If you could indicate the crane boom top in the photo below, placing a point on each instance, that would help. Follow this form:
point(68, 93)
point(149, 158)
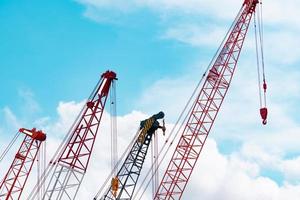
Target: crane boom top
point(13, 183)
point(35, 134)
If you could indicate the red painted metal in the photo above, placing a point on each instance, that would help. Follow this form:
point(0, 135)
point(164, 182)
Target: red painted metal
point(34, 134)
point(205, 109)
point(15, 179)
point(74, 157)
point(265, 86)
point(79, 148)
point(264, 115)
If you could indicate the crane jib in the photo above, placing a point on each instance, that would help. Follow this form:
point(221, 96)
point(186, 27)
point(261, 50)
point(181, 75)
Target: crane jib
point(205, 109)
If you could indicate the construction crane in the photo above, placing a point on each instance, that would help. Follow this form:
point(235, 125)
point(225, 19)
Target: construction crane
point(14, 181)
point(67, 168)
point(123, 185)
point(206, 107)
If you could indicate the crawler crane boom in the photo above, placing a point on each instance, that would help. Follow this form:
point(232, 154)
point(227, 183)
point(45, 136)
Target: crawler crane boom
point(130, 170)
point(71, 161)
point(205, 108)
point(15, 179)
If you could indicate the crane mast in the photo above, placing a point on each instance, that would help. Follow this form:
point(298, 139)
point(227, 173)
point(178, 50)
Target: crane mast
point(130, 170)
point(15, 179)
point(205, 108)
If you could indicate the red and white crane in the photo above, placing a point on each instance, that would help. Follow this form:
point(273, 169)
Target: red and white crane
point(206, 107)
point(13, 183)
point(67, 168)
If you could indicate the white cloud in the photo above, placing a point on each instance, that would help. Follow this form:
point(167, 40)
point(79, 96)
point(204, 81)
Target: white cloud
point(215, 176)
point(203, 23)
point(195, 35)
point(100, 162)
point(282, 14)
point(286, 49)
point(274, 12)
point(10, 119)
point(67, 113)
point(290, 169)
point(168, 95)
point(30, 105)
point(210, 178)
point(233, 178)
point(274, 161)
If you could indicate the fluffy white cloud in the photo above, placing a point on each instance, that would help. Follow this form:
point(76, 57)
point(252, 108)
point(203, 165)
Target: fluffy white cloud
point(10, 119)
point(30, 105)
point(216, 175)
point(230, 177)
point(171, 101)
point(195, 35)
point(67, 113)
point(184, 21)
point(283, 14)
point(290, 168)
point(234, 176)
point(274, 12)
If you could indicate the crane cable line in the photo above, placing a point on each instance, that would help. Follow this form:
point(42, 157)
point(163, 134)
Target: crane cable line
point(257, 63)
point(113, 129)
point(154, 154)
point(7, 149)
point(114, 138)
point(261, 36)
point(11, 143)
point(41, 165)
point(119, 161)
point(260, 63)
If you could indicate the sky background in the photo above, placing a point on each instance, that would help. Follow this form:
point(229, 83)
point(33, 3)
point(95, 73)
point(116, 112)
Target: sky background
point(53, 53)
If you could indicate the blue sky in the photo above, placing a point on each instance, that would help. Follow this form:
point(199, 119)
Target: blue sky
point(51, 48)
point(53, 52)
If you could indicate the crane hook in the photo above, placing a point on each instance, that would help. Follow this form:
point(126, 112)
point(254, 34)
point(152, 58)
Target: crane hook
point(264, 122)
point(264, 114)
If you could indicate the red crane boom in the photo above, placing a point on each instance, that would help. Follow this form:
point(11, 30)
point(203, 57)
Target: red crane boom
point(15, 179)
point(205, 108)
point(71, 161)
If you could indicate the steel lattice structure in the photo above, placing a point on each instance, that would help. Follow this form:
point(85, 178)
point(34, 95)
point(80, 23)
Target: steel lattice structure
point(205, 109)
point(15, 179)
point(74, 158)
point(130, 170)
